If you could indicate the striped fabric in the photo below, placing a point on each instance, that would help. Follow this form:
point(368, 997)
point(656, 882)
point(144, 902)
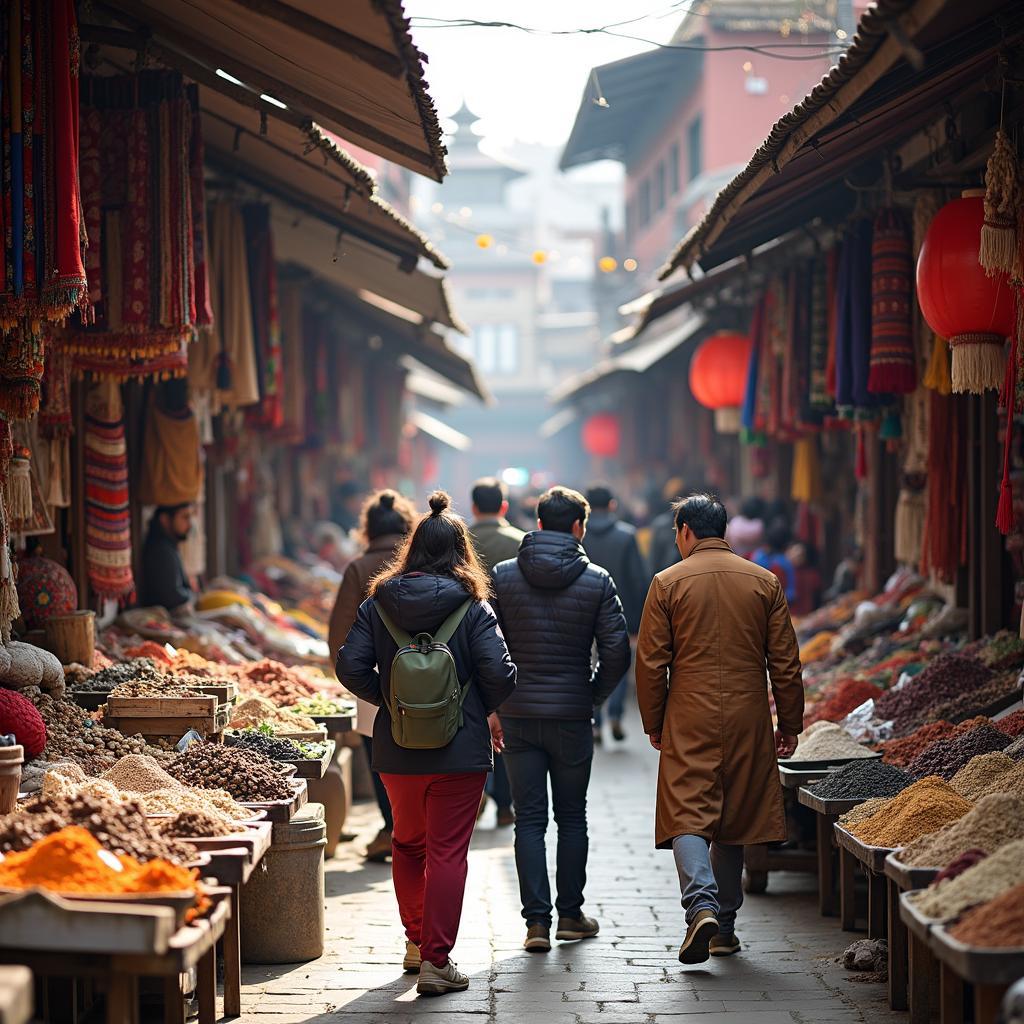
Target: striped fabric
point(108, 536)
point(892, 326)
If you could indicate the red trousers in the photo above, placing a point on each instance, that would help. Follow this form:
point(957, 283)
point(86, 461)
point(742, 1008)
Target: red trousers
point(434, 820)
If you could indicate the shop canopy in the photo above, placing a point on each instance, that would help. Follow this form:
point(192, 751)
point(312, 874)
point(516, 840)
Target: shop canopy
point(440, 430)
point(637, 359)
point(908, 60)
point(614, 118)
point(349, 65)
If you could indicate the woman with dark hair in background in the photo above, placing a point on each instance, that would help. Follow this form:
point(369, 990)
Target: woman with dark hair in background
point(434, 792)
point(385, 520)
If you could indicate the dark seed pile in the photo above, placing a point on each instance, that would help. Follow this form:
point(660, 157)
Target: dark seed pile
point(862, 779)
point(269, 746)
point(118, 827)
point(948, 677)
point(999, 687)
point(246, 775)
point(947, 757)
point(118, 674)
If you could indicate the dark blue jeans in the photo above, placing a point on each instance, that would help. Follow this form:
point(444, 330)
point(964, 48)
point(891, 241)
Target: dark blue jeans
point(615, 705)
point(537, 749)
point(497, 787)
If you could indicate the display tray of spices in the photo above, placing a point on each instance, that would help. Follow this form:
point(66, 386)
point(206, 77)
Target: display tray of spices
point(860, 780)
point(309, 759)
point(253, 837)
point(282, 811)
point(872, 857)
point(337, 715)
point(918, 924)
point(906, 876)
point(980, 965)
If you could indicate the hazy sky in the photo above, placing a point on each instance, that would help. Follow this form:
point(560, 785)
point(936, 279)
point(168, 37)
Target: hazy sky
point(527, 86)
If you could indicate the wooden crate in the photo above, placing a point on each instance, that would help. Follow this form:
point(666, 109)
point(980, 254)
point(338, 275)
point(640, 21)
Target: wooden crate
point(162, 707)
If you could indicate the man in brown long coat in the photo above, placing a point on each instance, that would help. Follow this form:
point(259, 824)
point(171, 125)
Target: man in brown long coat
point(714, 628)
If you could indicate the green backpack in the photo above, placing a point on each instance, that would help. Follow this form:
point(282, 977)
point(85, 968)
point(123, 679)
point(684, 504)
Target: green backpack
point(426, 698)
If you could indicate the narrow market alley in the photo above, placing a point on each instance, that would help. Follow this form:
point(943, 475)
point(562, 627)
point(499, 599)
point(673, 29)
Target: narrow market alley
point(629, 975)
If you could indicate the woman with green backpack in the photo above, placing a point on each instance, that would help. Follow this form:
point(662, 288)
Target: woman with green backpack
point(426, 649)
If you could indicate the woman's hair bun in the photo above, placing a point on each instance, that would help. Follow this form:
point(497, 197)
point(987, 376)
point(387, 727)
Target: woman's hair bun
point(387, 499)
point(439, 502)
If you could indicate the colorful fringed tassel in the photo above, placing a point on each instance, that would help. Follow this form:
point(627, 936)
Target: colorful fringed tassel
point(938, 376)
point(999, 251)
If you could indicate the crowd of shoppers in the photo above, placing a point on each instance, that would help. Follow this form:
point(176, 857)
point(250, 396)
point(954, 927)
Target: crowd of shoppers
point(533, 631)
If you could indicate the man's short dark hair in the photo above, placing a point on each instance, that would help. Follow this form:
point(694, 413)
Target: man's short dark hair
point(704, 514)
point(560, 507)
point(600, 496)
point(489, 494)
point(171, 510)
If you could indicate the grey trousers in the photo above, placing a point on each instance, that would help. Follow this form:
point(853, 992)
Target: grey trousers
point(711, 878)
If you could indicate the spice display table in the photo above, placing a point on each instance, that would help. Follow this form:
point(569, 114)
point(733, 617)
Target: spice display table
point(989, 972)
point(232, 860)
point(924, 982)
point(900, 879)
point(826, 814)
point(166, 717)
point(116, 944)
point(872, 861)
point(282, 810)
point(15, 995)
point(314, 768)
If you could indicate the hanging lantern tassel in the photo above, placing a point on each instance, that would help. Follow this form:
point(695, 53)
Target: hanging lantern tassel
point(999, 251)
point(937, 376)
point(1004, 510)
point(978, 363)
point(909, 526)
point(18, 486)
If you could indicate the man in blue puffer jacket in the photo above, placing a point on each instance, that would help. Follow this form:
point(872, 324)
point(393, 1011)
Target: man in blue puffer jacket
point(554, 605)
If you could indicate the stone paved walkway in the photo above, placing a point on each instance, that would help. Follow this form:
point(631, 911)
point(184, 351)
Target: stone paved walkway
point(786, 974)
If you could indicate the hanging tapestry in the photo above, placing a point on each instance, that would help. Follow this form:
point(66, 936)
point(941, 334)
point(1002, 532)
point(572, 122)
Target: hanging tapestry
point(819, 401)
point(108, 538)
point(853, 322)
point(892, 368)
point(145, 280)
point(266, 327)
point(171, 466)
point(292, 349)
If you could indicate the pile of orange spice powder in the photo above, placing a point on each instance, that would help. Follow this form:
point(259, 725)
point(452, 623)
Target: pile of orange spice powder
point(72, 861)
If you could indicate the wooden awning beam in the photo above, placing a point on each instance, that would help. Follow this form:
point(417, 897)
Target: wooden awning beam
point(141, 17)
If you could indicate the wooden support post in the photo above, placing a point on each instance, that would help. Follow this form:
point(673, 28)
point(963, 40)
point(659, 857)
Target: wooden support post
point(876, 905)
point(122, 998)
point(987, 1000)
point(174, 1001)
point(985, 556)
point(233, 957)
point(898, 951)
point(206, 986)
point(951, 997)
point(922, 967)
point(826, 865)
point(847, 890)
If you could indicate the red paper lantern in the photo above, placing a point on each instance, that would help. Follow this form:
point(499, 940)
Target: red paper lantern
point(959, 301)
point(602, 435)
point(718, 377)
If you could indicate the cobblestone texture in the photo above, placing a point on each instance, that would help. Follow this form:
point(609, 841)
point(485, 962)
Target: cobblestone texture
point(785, 974)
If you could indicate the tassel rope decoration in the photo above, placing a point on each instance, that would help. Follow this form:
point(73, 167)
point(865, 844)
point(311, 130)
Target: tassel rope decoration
point(999, 252)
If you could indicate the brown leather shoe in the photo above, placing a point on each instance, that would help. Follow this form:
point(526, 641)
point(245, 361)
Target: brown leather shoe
point(572, 928)
point(696, 946)
point(412, 960)
point(724, 945)
point(380, 848)
point(538, 939)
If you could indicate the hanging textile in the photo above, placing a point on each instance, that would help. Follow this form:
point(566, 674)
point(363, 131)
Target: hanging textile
point(892, 370)
point(197, 192)
point(138, 191)
point(55, 413)
point(832, 269)
point(853, 321)
point(108, 540)
point(806, 485)
point(227, 360)
point(292, 362)
point(749, 410)
point(22, 361)
point(171, 466)
point(266, 327)
point(945, 530)
point(819, 401)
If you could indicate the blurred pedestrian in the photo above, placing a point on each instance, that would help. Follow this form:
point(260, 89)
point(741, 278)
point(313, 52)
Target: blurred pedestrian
point(384, 520)
point(804, 559)
point(435, 585)
point(711, 626)
point(663, 551)
point(496, 540)
point(771, 555)
point(554, 605)
point(745, 533)
point(847, 574)
point(611, 544)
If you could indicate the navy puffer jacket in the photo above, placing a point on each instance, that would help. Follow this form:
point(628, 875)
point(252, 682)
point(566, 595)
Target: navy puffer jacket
point(553, 605)
point(418, 603)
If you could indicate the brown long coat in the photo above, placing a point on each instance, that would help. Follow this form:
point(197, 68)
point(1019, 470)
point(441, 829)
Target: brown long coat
point(714, 627)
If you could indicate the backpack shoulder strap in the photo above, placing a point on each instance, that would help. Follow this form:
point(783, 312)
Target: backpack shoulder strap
point(400, 637)
point(452, 623)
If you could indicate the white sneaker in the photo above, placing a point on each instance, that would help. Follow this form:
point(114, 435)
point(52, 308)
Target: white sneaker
point(435, 981)
point(412, 961)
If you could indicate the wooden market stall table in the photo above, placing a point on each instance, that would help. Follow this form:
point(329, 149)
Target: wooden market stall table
point(872, 861)
point(922, 978)
point(115, 944)
point(987, 971)
point(231, 861)
point(826, 814)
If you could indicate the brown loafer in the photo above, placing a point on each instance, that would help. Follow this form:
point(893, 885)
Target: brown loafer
point(696, 946)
